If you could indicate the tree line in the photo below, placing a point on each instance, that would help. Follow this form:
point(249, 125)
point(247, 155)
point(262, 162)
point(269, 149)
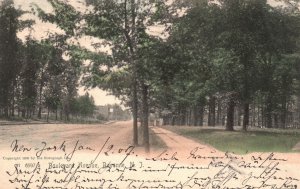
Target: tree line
point(225, 62)
point(34, 76)
point(241, 65)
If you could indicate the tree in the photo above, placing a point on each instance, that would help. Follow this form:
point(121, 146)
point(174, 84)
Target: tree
point(82, 106)
point(245, 31)
point(120, 24)
point(218, 52)
point(255, 32)
point(123, 25)
point(9, 45)
point(29, 76)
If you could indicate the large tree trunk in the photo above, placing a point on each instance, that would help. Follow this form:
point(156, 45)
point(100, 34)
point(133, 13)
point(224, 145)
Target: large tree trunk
point(253, 115)
point(246, 116)
point(182, 116)
point(219, 113)
point(23, 113)
point(189, 117)
point(230, 114)
point(131, 42)
point(13, 107)
point(13, 99)
point(269, 112)
point(201, 115)
point(135, 114)
point(196, 118)
point(238, 116)
point(262, 117)
point(269, 120)
point(6, 100)
point(61, 114)
point(283, 114)
point(247, 94)
point(258, 115)
point(276, 121)
point(40, 101)
point(212, 111)
point(145, 115)
point(173, 120)
point(48, 114)
point(6, 111)
point(67, 110)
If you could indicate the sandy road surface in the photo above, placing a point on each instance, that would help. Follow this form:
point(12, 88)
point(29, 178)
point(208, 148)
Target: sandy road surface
point(178, 143)
point(92, 135)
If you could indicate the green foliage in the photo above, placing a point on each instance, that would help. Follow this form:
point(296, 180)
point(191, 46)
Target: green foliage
point(10, 56)
point(235, 49)
point(83, 105)
point(65, 16)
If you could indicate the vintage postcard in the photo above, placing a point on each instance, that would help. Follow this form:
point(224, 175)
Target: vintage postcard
point(136, 94)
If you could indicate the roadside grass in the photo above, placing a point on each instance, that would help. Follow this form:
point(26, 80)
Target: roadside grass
point(155, 141)
point(240, 142)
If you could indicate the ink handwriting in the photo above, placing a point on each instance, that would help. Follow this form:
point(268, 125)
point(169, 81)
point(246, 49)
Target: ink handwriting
point(113, 167)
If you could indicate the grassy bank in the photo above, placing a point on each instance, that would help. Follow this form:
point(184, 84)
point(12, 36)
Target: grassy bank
point(242, 142)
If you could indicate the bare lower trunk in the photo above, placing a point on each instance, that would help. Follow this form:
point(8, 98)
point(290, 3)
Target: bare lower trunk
point(269, 120)
point(40, 104)
point(269, 112)
point(219, 112)
point(196, 118)
point(40, 97)
point(283, 119)
point(135, 113)
point(275, 121)
point(6, 111)
point(246, 116)
point(238, 116)
point(173, 120)
point(201, 116)
point(23, 113)
point(145, 115)
point(61, 114)
point(48, 115)
point(230, 115)
point(212, 111)
point(253, 115)
point(13, 102)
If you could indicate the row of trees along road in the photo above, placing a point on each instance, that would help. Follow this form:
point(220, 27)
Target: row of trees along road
point(34, 77)
point(223, 61)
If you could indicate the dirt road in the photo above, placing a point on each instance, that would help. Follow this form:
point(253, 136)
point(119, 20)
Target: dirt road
point(91, 135)
point(178, 143)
